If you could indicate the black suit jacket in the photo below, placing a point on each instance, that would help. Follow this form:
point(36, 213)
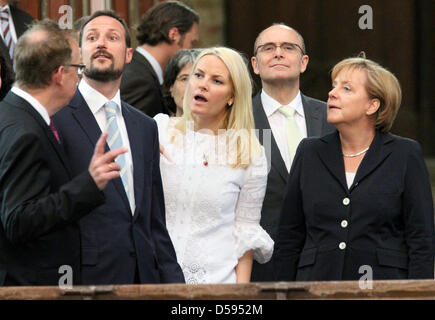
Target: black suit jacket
point(40, 203)
point(115, 243)
point(388, 210)
point(22, 20)
point(140, 87)
point(315, 117)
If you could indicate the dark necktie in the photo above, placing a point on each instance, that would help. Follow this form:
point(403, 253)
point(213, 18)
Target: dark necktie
point(53, 128)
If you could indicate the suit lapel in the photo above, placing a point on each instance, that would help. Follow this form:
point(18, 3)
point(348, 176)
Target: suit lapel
point(83, 115)
point(330, 154)
point(19, 22)
point(379, 150)
point(136, 152)
point(19, 102)
point(262, 123)
point(90, 127)
point(313, 118)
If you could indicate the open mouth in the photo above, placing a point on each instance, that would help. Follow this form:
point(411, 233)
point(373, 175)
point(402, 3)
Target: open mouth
point(200, 98)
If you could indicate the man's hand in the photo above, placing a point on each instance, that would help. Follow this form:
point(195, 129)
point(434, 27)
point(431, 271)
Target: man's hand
point(102, 167)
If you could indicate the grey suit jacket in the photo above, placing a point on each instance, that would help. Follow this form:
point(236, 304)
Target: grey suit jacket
point(315, 117)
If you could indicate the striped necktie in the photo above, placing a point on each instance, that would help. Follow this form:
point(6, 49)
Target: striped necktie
point(293, 133)
point(114, 140)
point(7, 35)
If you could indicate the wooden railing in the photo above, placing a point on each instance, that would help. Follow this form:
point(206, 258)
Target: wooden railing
point(409, 289)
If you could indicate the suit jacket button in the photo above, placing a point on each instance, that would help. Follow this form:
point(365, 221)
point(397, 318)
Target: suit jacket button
point(342, 245)
point(346, 201)
point(344, 223)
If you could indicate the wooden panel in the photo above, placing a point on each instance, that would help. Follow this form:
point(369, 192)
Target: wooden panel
point(53, 9)
point(332, 33)
point(144, 5)
point(121, 8)
point(78, 8)
point(97, 5)
point(32, 7)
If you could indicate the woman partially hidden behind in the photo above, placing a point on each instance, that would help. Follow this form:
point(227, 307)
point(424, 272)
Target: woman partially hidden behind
point(358, 199)
point(214, 173)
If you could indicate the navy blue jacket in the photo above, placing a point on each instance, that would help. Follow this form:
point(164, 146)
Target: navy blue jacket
point(114, 241)
point(384, 221)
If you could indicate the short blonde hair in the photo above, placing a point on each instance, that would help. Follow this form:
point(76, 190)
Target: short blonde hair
point(381, 84)
point(239, 118)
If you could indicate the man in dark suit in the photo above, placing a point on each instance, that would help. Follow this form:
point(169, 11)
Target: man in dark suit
point(126, 240)
point(40, 201)
point(284, 116)
point(18, 23)
point(164, 30)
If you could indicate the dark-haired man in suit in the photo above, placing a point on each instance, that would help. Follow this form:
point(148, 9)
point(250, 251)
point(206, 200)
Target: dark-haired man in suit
point(164, 30)
point(40, 200)
point(124, 241)
point(279, 59)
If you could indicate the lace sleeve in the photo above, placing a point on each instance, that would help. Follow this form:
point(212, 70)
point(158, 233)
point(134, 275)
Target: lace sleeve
point(248, 233)
point(162, 124)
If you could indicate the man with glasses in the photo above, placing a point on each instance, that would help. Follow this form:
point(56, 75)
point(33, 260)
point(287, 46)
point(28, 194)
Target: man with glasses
point(279, 59)
point(41, 200)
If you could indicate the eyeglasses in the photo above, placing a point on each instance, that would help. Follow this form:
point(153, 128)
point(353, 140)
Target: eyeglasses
point(80, 67)
point(270, 47)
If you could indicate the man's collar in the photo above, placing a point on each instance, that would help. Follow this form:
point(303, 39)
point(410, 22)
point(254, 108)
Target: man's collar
point(270, 105)
point(33, 102)
point(154, 63)
point(95, 99)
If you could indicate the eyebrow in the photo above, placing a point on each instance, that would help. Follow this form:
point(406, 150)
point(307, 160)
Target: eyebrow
point(343, 81)
point(213, 75)
point(95, 29)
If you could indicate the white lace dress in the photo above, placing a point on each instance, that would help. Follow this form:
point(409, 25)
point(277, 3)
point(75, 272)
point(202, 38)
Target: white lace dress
point(212, 211)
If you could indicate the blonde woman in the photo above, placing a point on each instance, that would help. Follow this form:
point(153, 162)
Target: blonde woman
point(358, 201)
point(214, 173)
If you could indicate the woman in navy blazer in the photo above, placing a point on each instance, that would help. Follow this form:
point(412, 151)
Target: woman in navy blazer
point(358, 202)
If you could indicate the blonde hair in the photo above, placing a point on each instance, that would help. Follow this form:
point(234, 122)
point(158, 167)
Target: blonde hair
point(239, 120)
point(381, 84)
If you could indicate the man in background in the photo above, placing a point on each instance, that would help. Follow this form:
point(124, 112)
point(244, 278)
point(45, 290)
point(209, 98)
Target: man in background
point(279, 59)
point(164, 30)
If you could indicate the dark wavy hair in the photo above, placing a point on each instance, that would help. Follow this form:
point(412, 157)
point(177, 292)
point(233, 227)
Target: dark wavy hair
point(156, 23)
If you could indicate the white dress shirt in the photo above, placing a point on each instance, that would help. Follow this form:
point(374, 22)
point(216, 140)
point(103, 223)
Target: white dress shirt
point(11, 26)
point(96, 102)
point(277, 122)
point(33, 102)
point(350, 176)
point(154, 63)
